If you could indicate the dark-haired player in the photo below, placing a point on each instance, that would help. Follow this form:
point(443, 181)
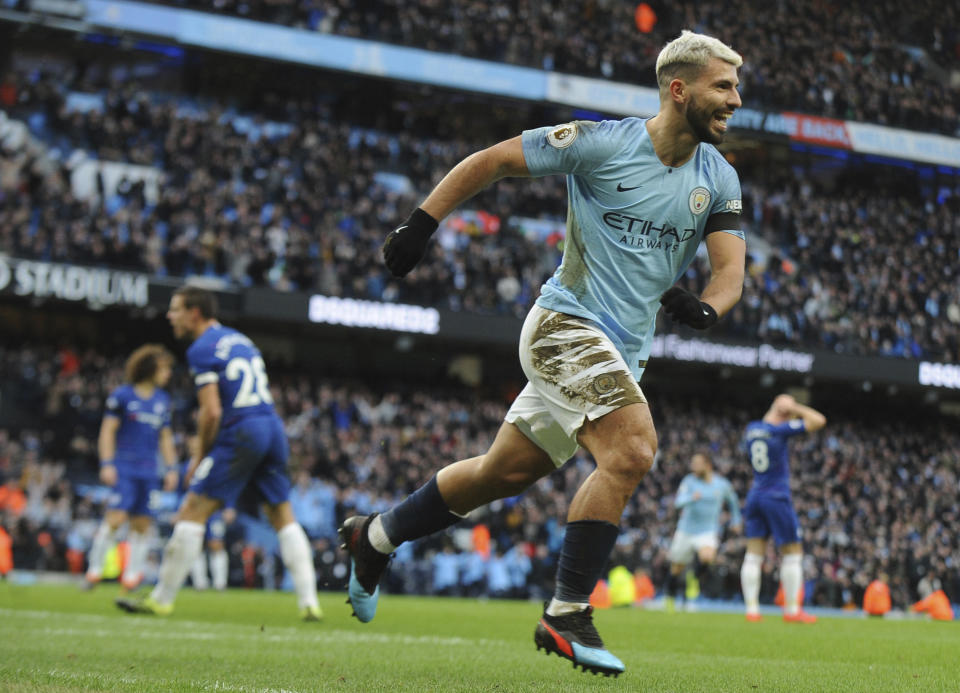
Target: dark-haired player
point(241, 443)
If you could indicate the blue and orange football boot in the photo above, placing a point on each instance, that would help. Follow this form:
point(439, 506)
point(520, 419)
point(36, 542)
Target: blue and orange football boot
point(367, 566)
point(574, 637)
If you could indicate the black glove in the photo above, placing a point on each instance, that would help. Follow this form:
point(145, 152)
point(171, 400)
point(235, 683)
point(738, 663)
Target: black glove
point(683, 307)
point(405, 246)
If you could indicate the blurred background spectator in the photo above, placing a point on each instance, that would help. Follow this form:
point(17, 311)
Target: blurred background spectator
point(875, 494)
point(872, 62)
point(303, 204)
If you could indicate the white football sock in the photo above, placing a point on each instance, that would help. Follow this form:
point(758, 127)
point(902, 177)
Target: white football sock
point(750, 582)
point(198, 573)
point(298, 559)
point(139, 546)
point(219, 569)
point(102, 541)
point(178, 557)
point(559, 608)
point(791, 575)
point(378, 536)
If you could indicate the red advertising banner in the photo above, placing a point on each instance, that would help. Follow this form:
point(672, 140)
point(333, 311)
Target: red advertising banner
point(816, 130)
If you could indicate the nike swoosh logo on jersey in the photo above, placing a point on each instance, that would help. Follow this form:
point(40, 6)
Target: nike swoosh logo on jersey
point(620, 187)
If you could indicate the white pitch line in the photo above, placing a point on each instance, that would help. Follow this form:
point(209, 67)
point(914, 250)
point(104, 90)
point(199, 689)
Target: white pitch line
point(172, 629)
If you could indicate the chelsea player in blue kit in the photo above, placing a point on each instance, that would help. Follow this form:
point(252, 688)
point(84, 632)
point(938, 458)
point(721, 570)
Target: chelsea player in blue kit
point(769, 507)
point(242, 443)
point(136, 424)
point(642, 196)
point(700, 498)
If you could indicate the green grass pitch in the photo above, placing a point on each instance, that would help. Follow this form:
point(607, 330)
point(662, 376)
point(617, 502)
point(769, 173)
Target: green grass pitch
point(55, 638)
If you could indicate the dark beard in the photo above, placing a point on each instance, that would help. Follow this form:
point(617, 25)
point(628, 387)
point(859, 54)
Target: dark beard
point(699, 120)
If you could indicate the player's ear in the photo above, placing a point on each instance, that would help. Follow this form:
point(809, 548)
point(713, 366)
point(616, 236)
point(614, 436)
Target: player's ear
point(678, 90)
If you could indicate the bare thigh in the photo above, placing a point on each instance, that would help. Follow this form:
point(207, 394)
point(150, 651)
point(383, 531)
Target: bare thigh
point(623, 444)
point(141, 523)
point(511, 465)
point(115, 518)
point(280, 515)
point(197, 508)
point(757, 546)
point(624, 432)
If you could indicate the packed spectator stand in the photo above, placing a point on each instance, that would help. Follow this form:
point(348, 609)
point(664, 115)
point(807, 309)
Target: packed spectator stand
point(875, 495)
point(860, 61)
point(295, 192)
point(304, 203)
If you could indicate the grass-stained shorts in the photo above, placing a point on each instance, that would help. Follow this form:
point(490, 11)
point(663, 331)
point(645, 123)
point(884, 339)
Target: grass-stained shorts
point(575, 373)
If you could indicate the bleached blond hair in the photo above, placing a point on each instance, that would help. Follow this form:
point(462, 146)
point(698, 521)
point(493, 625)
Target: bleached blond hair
point(687, 54)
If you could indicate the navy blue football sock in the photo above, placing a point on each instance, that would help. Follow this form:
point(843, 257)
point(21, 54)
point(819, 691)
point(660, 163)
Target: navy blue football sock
point(675, 586)
point(702, 571)
point(421, 513)
point(586, 547)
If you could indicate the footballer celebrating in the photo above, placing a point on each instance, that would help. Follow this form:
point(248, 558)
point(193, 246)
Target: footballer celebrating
point(642, 196)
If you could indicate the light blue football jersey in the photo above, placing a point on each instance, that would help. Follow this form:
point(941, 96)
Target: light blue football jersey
point(702, 514)
point(633, 224)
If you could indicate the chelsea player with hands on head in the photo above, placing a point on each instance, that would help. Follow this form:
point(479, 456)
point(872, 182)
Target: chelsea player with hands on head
point(769, 507)
point(241, 443)
point(642, 196)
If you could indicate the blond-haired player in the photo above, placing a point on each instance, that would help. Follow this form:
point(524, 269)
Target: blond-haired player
point(643, 195)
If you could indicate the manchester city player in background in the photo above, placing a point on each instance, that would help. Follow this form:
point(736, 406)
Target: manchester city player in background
point(700, 499)
point(136, 424)
point(242, 442)
point(769, 507)
point(642, 195)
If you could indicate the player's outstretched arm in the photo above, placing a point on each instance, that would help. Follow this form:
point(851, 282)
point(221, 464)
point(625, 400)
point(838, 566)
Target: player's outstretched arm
point(107, 449)
point(727, 265)
point(727, 260)
point(812, 419)
point(405, 246)
point(684, 495)
point(473, 174)
point(733, 505)
point(168, 452)
point(208, 422)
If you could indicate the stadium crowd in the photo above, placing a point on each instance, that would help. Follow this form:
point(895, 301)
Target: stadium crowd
point(875, 495)
point(860, 61)
point(303, 204)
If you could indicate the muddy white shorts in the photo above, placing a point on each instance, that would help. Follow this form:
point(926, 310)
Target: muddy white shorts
point(575, 373)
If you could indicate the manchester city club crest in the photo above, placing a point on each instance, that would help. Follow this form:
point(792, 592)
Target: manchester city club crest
point(604, 384)
point(563, 136)
point(699, 200)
